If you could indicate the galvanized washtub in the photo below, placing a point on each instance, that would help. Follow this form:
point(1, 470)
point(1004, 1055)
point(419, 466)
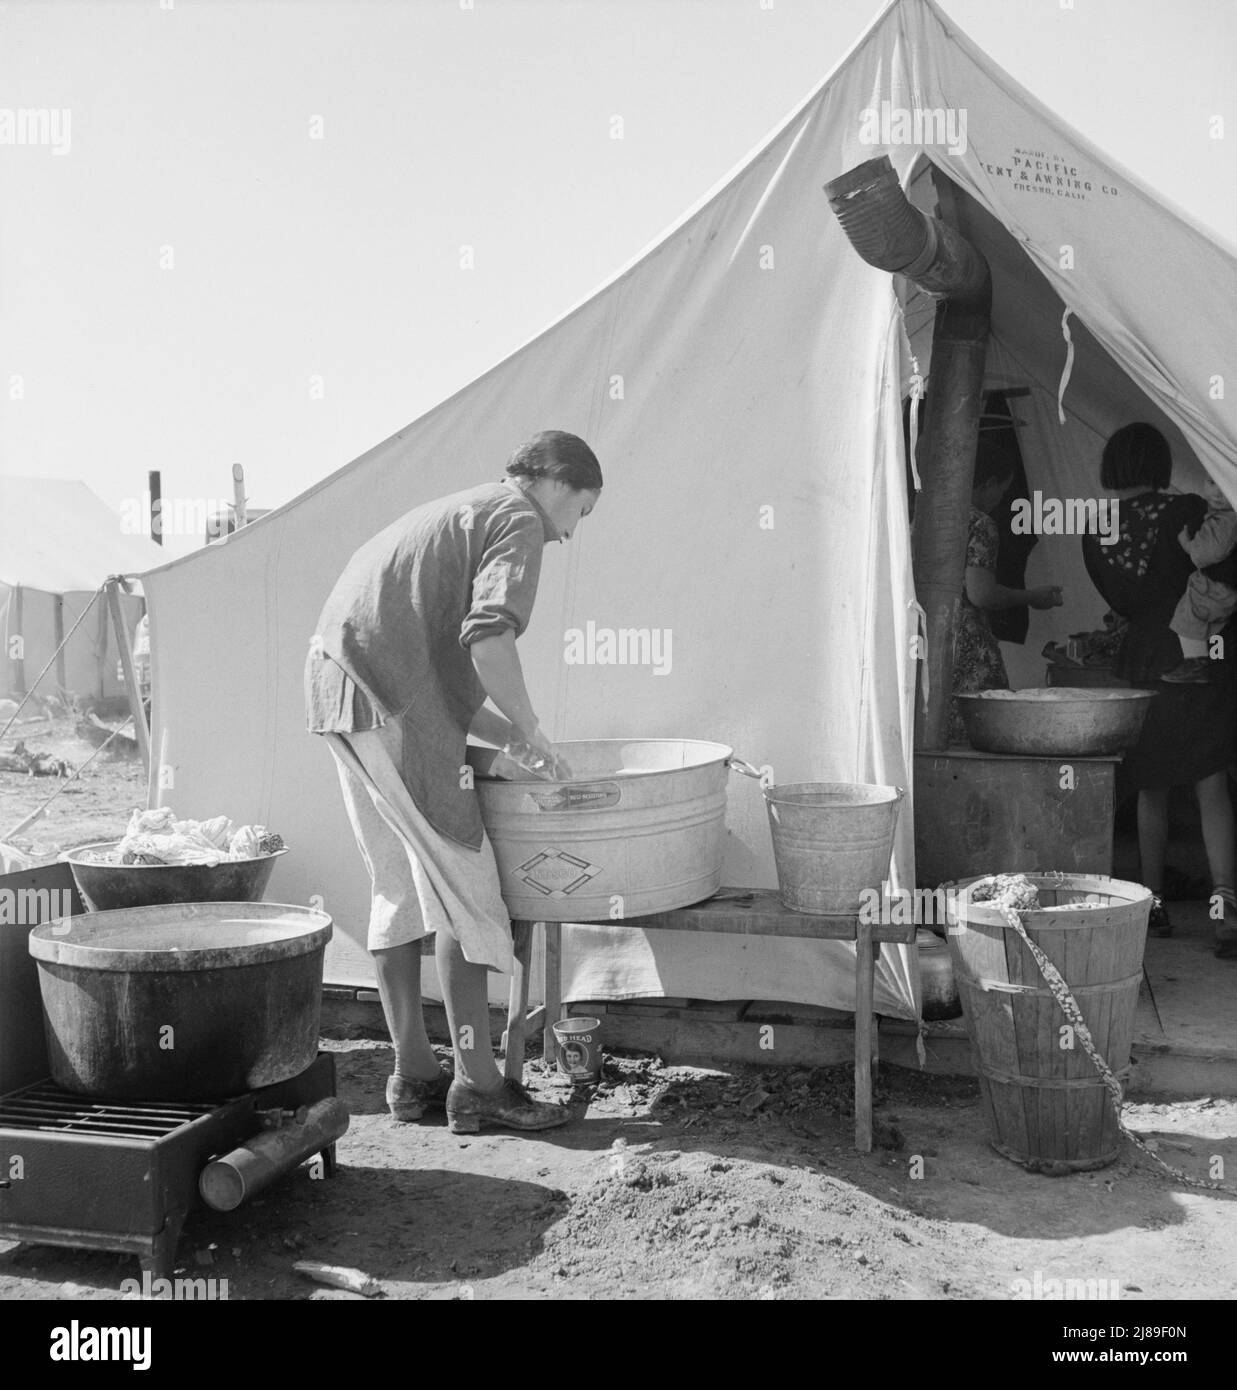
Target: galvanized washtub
point(1065, 721)
point(186, 1001)
point(640, 828)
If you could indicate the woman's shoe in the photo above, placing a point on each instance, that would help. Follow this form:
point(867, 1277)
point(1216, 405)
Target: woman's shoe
point(409, 1100)
point(1158, 923)
point(1194, 670)
point(510, 1106)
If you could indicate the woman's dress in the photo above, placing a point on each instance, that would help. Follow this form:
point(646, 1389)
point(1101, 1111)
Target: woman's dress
point(978, 664)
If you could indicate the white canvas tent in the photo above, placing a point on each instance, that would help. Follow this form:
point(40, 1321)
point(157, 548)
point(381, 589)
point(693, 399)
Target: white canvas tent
point(741, 382)
point(59, 542)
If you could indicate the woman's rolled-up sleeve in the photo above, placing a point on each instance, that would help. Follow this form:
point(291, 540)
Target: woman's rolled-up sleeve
point(505, 585)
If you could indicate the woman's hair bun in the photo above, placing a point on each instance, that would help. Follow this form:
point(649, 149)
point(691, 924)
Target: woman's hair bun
point(562, 457)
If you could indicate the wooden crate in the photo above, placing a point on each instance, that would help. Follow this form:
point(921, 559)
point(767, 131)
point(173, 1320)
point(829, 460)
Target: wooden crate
point(988, 813)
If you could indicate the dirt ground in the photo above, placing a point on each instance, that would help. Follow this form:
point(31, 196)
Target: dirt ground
point(669, 1186)
point(681, 1183)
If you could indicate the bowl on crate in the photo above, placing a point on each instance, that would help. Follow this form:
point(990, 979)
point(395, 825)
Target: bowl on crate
point(1063, 721)
point(106, 887)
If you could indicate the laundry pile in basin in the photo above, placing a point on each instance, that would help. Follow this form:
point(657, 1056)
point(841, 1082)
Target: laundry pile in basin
point(157, 837)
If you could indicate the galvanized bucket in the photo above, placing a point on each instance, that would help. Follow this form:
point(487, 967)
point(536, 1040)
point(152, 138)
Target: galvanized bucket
point(831, 841)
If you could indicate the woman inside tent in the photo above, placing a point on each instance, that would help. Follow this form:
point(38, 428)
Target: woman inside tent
point(419, 629)
point(1190, 734)
point(978, 664)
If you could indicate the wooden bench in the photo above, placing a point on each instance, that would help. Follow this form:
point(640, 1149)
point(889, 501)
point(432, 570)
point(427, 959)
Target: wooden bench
point(735, 911)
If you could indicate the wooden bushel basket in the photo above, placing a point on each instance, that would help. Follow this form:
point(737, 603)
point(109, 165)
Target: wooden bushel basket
point(1045, 1104)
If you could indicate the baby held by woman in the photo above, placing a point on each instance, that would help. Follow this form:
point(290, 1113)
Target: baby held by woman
point(1210, 597)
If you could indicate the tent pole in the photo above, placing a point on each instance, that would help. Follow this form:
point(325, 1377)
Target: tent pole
point(101, 653)
point(58, 629)
point(126, 664)
point(238, 495)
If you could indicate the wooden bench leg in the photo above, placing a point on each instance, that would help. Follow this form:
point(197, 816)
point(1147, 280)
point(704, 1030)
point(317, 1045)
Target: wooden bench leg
point(552, 988)
point(517, 1001)
point(865, 970)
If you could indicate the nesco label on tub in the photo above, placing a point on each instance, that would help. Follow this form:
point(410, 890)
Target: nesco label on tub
point(590, 796)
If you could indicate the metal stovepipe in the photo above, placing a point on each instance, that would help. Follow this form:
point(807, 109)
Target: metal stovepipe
point(890, 234)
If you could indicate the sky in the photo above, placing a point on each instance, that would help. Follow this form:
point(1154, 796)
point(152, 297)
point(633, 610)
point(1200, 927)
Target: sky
point(250, 250)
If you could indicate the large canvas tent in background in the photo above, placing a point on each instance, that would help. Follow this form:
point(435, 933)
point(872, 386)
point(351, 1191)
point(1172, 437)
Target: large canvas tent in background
point(59, 542)
point(741, 382)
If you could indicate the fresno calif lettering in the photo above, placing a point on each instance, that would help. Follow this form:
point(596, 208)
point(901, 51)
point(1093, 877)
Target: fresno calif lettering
point(78, 1343)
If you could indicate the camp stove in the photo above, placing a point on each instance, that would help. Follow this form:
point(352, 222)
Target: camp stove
point(108, 1174)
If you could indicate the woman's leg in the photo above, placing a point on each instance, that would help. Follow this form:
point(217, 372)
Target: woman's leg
point(1215, 808)
point(399, 987)
point(466, 995)
point(1153, 835)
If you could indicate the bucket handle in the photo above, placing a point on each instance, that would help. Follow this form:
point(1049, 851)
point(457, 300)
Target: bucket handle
point(738, 765)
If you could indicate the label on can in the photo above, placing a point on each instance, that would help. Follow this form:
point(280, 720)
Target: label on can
point(590, 796)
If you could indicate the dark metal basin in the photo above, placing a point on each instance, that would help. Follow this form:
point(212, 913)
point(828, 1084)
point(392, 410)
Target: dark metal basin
point(186, 1001)
point(108, 886)
point(1063, 721)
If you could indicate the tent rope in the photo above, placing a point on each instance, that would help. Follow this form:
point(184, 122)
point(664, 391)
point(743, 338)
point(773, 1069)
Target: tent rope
point(917, 391)
point(922, 617)
point(51, 661)
point(1067, 369)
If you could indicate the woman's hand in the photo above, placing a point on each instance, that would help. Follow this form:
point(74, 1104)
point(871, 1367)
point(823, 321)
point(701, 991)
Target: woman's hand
point(559, 767)
point(1049, 596)
point(985, 593)
point(532, 751)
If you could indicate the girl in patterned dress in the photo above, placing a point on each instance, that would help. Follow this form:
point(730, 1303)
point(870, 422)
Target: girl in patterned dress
point(1189, 736)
